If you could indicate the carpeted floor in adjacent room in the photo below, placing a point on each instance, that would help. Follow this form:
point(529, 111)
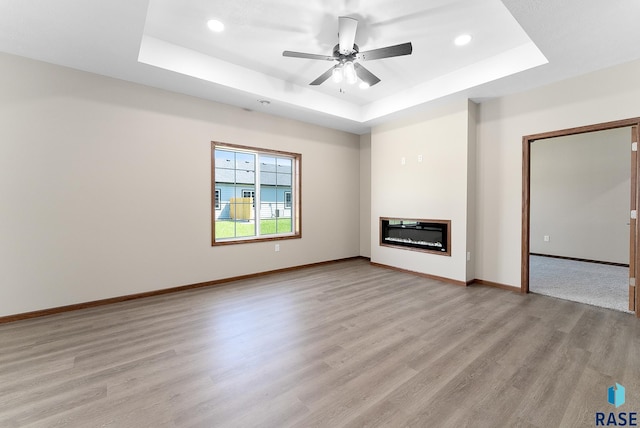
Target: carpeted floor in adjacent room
point(591, 283)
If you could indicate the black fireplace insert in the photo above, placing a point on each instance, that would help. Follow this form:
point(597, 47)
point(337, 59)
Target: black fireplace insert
point(431, 236)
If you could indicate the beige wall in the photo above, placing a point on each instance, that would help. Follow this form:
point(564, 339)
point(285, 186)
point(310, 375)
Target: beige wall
point(104, 185)
point(105, 188)
point(472, 138)
point(365, 195)
point(602, 96)
point(435, 188)
point(580, 193)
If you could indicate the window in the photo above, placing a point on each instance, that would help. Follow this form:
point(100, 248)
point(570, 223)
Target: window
point(249, 194)
point(216, 199)
point(256, 194)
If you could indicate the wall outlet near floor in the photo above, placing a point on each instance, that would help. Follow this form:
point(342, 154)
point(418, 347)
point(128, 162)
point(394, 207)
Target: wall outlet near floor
point(468, 256)
point(546, 238)
point(277, 247)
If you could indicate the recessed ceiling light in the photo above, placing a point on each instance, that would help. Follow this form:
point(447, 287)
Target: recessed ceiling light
point(215, 25)
point(462, 40)
point(364, 85)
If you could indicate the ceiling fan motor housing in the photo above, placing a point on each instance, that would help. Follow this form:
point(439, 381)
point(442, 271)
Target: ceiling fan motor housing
point(342, 58)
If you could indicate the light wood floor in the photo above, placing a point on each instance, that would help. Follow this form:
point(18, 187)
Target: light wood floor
point(340, 345)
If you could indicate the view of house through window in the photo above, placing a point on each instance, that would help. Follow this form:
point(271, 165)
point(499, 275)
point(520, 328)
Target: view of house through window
point(216, 199)
point(255, 194)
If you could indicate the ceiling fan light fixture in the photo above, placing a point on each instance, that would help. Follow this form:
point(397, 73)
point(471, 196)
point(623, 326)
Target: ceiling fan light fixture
point(337, 74)
point(350, 73)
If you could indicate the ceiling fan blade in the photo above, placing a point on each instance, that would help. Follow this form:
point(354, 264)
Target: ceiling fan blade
point(347, 34)
point(323, 77)
point(389, 51)
point(365, 75)
point(308, 56)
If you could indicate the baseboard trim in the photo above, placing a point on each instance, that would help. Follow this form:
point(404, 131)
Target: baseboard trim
point(112, 300)
point(497, 285)
point(424, 275)
point(575, 259)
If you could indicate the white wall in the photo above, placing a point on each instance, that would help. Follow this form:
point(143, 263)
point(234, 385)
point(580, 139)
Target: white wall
point(105, 188)
point(365, 195)
point(433, 189)
point(580, 193)
point(598, 97)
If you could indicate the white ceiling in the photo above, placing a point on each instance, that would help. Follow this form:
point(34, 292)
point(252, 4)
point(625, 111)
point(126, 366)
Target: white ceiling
point(516, 45)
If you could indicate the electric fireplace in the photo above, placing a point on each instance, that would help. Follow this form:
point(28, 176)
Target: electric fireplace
point(431, 236)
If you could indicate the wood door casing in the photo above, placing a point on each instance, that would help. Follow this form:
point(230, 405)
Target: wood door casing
point(633, 223)
point(634, 124)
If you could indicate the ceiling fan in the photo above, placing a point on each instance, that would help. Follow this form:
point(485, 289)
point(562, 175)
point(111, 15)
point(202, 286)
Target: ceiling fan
point(348, 56)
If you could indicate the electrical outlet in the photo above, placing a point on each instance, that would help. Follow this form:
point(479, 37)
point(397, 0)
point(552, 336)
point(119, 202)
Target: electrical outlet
point(403, 160)
point(546, 238)
point(419, 158)
point(277, 247)
point(468, 256)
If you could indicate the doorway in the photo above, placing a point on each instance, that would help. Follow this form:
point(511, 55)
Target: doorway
point(555, 242)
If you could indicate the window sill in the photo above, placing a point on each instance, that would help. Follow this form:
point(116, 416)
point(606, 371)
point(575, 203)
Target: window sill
point(253, 239)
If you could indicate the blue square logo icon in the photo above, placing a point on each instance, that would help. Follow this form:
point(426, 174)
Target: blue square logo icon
point(616, 395)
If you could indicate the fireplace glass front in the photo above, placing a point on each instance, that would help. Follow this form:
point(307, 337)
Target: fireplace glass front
point(422, 235)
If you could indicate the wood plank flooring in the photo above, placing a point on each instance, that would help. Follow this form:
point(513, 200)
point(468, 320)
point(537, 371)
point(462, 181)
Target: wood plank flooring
point(340, 345)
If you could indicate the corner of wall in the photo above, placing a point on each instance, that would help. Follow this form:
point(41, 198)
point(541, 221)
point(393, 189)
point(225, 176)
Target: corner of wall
point(365, 195)
point(471, 189)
